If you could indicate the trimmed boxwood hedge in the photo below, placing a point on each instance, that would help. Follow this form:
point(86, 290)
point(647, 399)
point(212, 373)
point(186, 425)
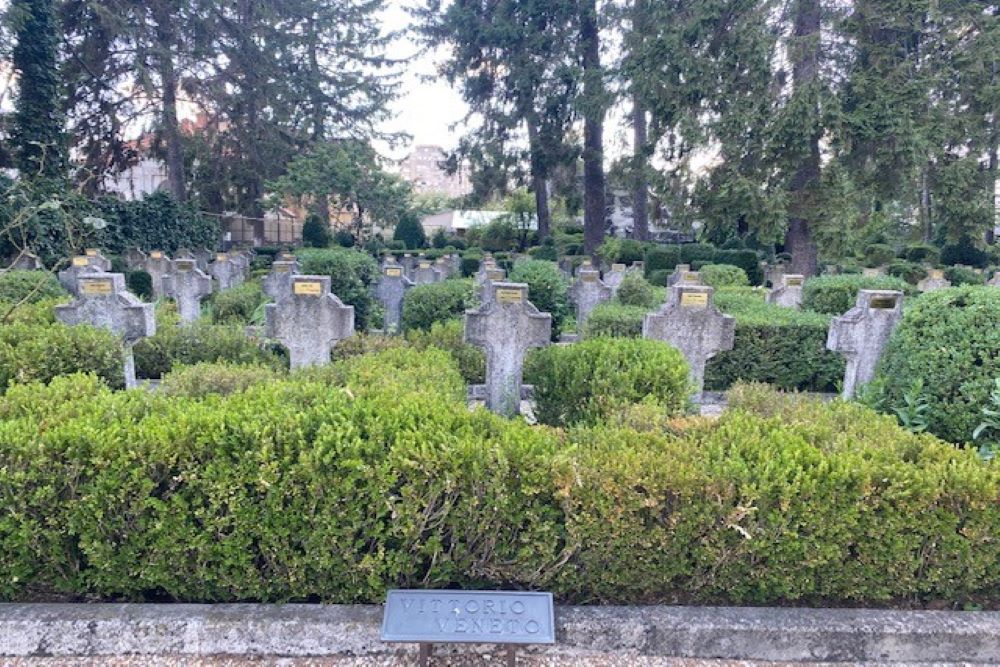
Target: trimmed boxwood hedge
point(41, 352)
point(779, 346)
point(949, 341)
point(342, 482)
point(29, 287)
point(835, 295)
point(424, 305)
point(592, 380)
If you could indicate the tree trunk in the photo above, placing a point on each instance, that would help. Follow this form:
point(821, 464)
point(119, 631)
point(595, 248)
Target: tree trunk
point(926, 226)
point(165, 41)
point(640, 194)
point(593, 130)
point(539, 182)
point(804, 54)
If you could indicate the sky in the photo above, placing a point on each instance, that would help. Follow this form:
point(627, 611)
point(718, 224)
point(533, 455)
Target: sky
point(425, 109)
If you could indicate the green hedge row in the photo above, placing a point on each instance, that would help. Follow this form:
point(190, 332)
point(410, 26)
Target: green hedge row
point(341, 482)
point(835, 295)
point(779, 346)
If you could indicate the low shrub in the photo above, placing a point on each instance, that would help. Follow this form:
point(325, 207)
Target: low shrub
point(222, 378)
point(242, 304)
point(40, 312)
point(697, 252)
point(659, 278)
point(911, 272)
point(661, 258)
point(351, 275)
point(922, 253)
point(315, 232)
point(621, 251)
point(449, 336)
point(779, 346)
point(196, 343)
point(548, 289)
point(965, 253)
point(615, 320)
point(339, 483)
point(437, 302)
point(960, 275)
point(586, 382)
point(29, 287)
point(41, 352)
point(878, 254)
point(835, 295)
point(948, 341)
point(140, 283)
point(748, 260)
point(723, 275)
point(635, 290)
point(470, 264)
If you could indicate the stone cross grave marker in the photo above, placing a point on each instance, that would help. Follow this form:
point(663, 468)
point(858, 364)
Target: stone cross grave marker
point(443, 268)
point(104, 302)
point(409, 264)
point(585, 265)
point(587, 292)
point(278, 283)
point(70, 276)
point(187, 285)
point(678, 274)
point(935, 280)
point(614, 277)
point(226, 272)
point(391, 291)
point(861, 334)
point(506, 327)
point(873, 273)
point(135, 259)
point(158, 267)
point(789, 294)
point(690, 322)
point(97, 259)
point(242, 260)
point(425, 273)
point(310, 321)
point(23, 261)
point(491, 276)
point(995, 280)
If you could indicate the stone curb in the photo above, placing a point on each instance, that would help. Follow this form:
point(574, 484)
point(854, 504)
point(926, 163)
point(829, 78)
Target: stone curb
point(296, 630)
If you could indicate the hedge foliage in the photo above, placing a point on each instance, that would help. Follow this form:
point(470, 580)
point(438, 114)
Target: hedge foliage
point(590, 381)
point(41, 352)
point(635, 290)
point(352, 274)
point(29, 287)
point(835, 295)
point(548, 289)
point(175, 345)
point(239, 305)
point(616, 320)
point(437, 302)
point(779, 346)
point(723, 275)
point(341, 482)
point(221, 377)
point(948, 340)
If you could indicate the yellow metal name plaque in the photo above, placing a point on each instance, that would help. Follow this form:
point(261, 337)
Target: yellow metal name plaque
point(691, 277)
point(81, 261)
point(882, 302)
point(308, 288)
point(394, 272)
point(95, 287)
point(694, 300)
point(508, 295)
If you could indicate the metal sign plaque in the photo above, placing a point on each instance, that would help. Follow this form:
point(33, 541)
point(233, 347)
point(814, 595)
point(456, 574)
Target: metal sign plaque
point(694, 300)
point(308, 288)
point(394, 272)
point(282, 268)
point(490, 617)
point(494, 275)
point(90, 252)
point(794, 282)
point(691, 277)
point(508, 295)
point(156, 254)
point(96, 287)
point(937, 274)
point(81, 261)
point(184, 264)
point(588, 277)
point(425, 265)
point(618, 268)
point(882, 302)
point(221, 257)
